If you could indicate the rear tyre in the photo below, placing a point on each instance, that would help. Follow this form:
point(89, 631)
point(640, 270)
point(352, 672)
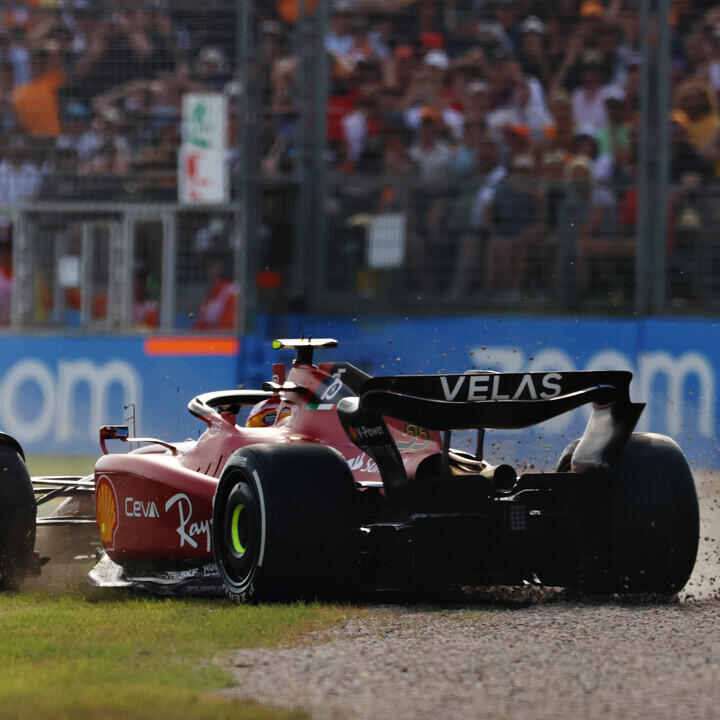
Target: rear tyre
point(17, 519)
point(651, 534)
point(284, 522)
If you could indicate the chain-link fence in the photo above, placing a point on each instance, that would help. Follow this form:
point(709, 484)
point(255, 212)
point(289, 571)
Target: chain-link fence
point(459, 156)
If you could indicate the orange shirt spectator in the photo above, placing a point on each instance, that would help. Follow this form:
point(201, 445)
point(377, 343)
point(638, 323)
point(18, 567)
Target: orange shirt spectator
point(289, 10)
point(36, 103)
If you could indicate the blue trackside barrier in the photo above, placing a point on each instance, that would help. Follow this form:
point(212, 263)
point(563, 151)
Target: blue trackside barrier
point(56, 390)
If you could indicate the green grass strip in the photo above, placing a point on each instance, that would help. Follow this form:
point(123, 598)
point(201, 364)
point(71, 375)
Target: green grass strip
point(107, 655)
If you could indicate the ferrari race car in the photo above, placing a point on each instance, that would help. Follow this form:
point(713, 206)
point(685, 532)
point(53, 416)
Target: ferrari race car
point(340, 481)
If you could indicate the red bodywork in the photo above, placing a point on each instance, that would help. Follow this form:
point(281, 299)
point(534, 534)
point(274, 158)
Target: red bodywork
point(156, 506)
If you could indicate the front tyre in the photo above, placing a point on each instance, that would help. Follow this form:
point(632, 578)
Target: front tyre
point(284, 522)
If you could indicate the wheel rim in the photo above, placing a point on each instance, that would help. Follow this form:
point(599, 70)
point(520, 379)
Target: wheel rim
point(240, 536)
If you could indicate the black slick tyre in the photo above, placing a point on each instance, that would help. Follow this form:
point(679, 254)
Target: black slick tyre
point(17, 519)
point(649, 539)
point(284, 522)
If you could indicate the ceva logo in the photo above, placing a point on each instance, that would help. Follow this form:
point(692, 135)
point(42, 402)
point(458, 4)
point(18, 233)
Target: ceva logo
point(58, 413)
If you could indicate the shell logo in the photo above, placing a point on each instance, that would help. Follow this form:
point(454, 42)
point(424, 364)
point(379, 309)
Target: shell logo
point(107, 511)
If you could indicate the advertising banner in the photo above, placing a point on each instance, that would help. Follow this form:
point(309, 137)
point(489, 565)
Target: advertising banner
point(56, 392)
point(202, 162)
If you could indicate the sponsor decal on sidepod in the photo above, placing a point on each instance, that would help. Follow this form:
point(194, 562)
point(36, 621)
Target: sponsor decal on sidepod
point(106, 511)
point(189, 529)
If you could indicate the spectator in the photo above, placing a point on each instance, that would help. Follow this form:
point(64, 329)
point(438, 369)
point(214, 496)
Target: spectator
point(106, 150)
point(339, 40)
point(156, 164)
point(585, 145)
point(20, 177)
point(36, 103)
point(396, 160)
point(464, 161)
point(399, 68)
point(506, 14)
point(613, 139)
point(563, 122)
point(8, 120)
point(132, 43)
point(699, 104)
point(684, 158)
point(432, 154)
point(219, 310)
point(511, 217)
point(16, 52)
point(632, 83)
point(533, 56)
point(588, 100)
point(590, 217)
point(516, 99)
point(473, 239)
point(360, 123)
point(476, 102)
point(211, 69)
point(75, 132)
point(145, 309)
point(607, 42)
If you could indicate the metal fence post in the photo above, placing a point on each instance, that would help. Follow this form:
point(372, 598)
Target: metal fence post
point(653, 165)
point(246, 250)
point(320, 98)
point(86, 265)
point(168, 264)
point(120, 276)
point(22, 291)
point(659, 244)
point(645, 150)
point(305, 166)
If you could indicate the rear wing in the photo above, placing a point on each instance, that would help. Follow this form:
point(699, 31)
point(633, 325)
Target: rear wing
point(490, 400)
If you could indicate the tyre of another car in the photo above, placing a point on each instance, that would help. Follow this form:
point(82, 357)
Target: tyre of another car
point(17, 519)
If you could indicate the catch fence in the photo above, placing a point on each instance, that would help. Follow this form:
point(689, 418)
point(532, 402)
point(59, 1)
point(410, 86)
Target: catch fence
point(414, 157)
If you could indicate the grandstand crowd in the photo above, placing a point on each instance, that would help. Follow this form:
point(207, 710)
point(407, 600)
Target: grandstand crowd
point(502, 123)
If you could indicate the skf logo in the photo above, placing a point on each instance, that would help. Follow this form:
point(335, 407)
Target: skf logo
point(106, 511)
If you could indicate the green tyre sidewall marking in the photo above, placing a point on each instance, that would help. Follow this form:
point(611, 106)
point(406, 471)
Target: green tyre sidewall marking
point(235, 531)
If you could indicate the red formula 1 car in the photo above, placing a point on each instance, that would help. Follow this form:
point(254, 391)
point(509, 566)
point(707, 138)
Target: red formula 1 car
point(339, 480)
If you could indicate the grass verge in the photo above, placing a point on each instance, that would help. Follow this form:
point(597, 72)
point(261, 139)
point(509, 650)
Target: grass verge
point(104, 656)
point(61, 464)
